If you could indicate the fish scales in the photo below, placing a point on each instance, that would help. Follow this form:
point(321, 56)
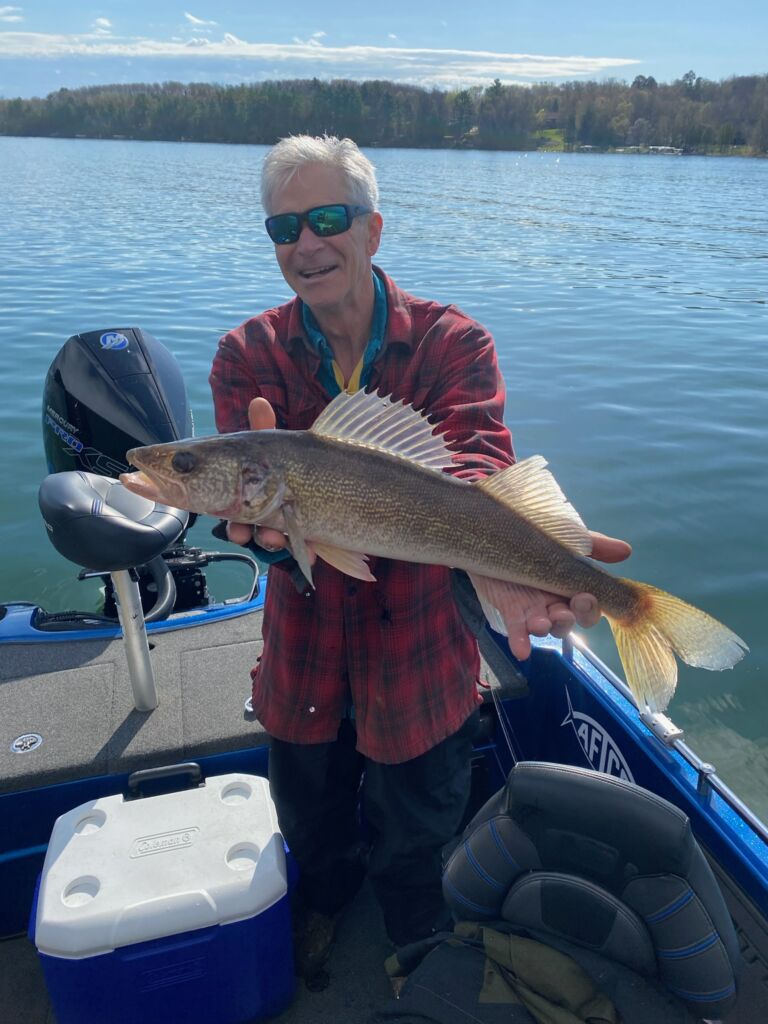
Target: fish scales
point(387, 506)
point(364, 481)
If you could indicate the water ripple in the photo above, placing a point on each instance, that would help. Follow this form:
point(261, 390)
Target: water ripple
point(627, 296)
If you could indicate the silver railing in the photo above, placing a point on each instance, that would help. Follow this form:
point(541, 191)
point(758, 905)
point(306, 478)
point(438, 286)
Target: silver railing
point(707, 779)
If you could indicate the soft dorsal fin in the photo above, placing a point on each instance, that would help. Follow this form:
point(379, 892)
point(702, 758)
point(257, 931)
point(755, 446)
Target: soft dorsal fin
point(531, 490)
point(368, 419)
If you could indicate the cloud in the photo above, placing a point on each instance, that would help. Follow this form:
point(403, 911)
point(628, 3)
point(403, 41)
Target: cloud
point(443, 68)
point(314, 40)
point(11, 14)
point(102, 26)
point(197, 21)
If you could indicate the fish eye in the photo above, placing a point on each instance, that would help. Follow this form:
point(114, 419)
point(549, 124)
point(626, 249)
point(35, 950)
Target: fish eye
point(183, 462)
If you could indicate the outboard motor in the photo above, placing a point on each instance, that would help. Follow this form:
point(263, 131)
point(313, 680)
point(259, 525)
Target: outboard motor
point(105, 392)
point(108, 391)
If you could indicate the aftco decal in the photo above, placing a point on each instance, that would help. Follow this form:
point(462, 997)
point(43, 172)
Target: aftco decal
point(599, 747)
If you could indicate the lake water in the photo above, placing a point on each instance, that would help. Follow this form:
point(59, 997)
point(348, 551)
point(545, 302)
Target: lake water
point(627, 296)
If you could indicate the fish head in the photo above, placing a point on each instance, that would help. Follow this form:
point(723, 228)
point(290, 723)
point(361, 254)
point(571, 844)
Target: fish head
point(228, 475)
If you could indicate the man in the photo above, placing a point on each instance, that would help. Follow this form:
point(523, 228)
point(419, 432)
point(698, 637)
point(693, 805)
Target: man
point(376, 676)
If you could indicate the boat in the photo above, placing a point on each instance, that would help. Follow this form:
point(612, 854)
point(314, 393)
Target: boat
point(88, 701)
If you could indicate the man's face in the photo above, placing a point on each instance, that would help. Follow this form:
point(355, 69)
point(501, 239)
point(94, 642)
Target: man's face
point(329, 274)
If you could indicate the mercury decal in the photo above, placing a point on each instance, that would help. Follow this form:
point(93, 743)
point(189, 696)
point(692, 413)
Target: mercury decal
point(66, 437)
point(598, 746)
point(113, 340)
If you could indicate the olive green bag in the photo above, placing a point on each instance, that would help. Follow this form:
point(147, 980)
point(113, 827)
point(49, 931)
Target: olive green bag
point(483, 974)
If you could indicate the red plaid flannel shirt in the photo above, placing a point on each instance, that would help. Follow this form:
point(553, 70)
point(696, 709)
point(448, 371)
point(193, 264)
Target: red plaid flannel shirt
point(398, 647)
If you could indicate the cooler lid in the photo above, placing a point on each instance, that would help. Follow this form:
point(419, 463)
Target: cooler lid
point(119, 872)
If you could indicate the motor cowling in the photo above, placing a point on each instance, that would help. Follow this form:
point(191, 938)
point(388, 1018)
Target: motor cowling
point(107, 391)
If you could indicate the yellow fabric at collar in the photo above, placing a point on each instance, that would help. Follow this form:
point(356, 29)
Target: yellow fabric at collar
point(354, 381)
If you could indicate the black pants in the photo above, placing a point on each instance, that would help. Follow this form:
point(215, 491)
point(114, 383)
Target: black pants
point(411, 810)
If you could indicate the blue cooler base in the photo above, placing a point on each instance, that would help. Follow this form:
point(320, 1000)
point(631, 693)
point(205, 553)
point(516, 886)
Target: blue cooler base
point(229, 974)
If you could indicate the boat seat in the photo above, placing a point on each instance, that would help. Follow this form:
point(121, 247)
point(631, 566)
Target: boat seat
point(97, 523)
point(588, 861)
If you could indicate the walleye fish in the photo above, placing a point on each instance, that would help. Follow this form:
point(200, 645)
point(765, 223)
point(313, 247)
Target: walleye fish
point(367, 479)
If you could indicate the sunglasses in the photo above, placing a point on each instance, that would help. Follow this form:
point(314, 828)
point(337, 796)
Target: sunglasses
point(323, 221)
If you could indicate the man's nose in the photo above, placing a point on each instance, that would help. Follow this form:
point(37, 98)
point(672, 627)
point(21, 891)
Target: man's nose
point(307, 238)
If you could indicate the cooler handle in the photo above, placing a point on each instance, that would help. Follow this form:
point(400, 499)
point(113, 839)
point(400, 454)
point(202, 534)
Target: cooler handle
point(167, 771)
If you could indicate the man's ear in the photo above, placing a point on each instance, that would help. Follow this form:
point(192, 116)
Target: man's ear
point(375, 224)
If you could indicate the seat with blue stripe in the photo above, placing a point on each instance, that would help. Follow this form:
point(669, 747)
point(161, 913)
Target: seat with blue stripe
point(589, 861)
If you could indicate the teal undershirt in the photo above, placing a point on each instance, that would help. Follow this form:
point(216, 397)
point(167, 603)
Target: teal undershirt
point(318, 341)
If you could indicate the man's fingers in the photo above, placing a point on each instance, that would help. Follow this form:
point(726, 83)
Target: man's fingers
point(609, 549)
point(586, 609)
point(563, 619)
point(261, 415)
point(240, 533)
point(270, 540)
point(538, 624)
point(519, 640)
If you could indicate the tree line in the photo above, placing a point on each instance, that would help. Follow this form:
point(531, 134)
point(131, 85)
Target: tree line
point(691, 114)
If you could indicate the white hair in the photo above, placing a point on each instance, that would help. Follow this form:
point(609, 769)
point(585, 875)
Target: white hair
point(290, 154)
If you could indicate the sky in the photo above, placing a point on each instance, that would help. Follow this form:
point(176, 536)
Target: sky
point(51, 44)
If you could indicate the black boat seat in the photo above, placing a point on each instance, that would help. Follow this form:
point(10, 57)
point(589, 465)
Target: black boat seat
point(596, 862)
point(95, 522)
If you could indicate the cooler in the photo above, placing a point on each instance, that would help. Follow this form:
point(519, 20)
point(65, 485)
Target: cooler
point(169, 907)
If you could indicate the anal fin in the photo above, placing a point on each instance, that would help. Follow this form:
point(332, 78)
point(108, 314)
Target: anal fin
point(503, 602)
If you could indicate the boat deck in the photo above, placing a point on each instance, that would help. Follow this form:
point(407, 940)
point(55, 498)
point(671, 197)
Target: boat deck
point(77, 697)
point(357, 981)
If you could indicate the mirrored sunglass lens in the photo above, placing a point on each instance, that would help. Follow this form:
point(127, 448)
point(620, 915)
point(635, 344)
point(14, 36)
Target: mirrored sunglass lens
point(284, 228)
point(328, 220)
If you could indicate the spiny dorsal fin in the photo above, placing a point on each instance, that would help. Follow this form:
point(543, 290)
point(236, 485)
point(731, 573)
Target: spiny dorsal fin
point(532, 491)
point(368, 419)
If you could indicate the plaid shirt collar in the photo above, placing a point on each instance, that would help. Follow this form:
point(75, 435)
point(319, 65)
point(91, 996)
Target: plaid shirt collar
point(320, 344)
point(399, 325)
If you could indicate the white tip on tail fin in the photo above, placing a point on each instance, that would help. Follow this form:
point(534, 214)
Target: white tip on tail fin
point(662, 625)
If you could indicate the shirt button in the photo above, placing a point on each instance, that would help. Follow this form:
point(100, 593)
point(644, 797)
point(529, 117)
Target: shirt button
point(312, 709)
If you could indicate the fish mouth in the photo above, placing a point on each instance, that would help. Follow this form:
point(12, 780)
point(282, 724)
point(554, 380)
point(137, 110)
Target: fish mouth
point(153, 485)
point(142, 484)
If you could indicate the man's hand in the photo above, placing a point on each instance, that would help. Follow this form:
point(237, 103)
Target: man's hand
point(552, 614)
point(261, 416)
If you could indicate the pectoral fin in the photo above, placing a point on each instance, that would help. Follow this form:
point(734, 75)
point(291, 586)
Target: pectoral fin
point(349, 562)
point(297, 543)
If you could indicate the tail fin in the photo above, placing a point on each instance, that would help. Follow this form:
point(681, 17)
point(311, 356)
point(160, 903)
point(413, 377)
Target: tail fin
point(664, 624)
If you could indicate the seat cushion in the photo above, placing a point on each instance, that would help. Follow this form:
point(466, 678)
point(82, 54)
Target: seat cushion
point(578, 910)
